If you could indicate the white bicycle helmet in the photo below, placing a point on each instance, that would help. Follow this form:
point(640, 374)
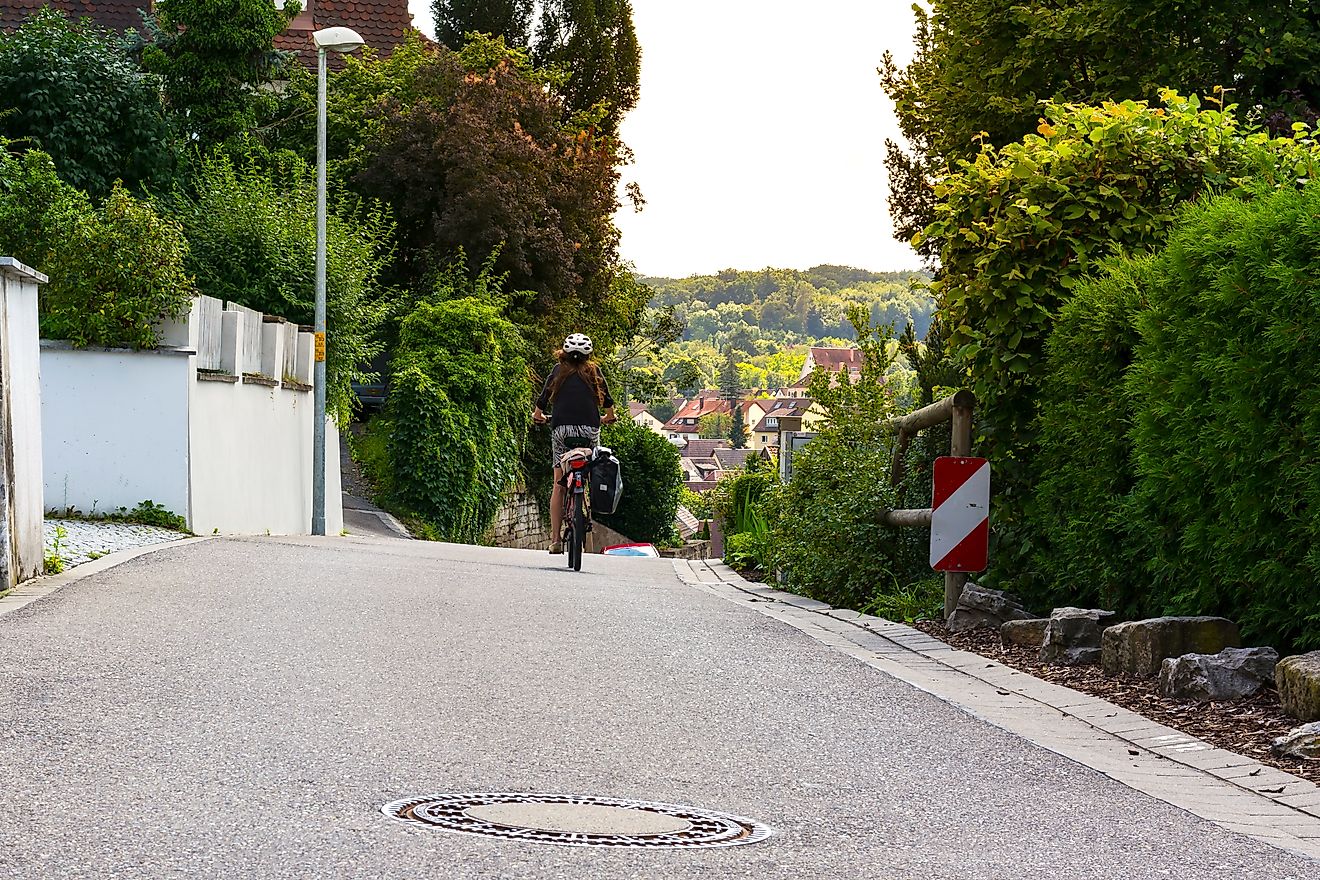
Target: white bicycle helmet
point(577, 343)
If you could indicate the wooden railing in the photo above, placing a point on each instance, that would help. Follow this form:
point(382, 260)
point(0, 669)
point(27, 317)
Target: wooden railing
point(957, 408)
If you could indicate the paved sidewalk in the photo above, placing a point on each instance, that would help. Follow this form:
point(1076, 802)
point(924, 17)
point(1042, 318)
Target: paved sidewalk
point(243, 708)
point(1232, 790)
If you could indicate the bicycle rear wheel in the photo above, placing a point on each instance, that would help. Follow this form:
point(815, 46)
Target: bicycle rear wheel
point(570, 544)
point(579, 535)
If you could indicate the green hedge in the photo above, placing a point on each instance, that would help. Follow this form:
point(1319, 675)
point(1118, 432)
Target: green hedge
point(1227, 390)
point(1077, 538)
point(652, 477)
point(116, 267)
point(1180, 422)
point(458, 413)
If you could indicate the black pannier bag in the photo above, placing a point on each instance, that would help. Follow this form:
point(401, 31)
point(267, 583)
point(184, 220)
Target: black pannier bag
point(606, 481)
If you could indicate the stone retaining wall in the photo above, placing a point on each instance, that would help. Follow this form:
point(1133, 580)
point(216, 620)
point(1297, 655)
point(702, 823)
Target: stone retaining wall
point(518, 524)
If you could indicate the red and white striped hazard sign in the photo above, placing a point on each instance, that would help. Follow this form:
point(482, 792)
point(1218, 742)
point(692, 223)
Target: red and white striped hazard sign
point(960, 511)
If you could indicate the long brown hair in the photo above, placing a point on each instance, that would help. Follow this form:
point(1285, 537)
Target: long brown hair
point(585, 369)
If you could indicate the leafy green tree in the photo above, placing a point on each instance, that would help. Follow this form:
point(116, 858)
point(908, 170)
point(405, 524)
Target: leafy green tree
point(629, 366)
point(455, 19)
point(982, 68)
point(714, 426)
point(116, 268)
point(217, 59)
point(479, 158)
point(595, 41)
point(253, 241)
point(70, 90)
point(652, 478)
point(1020, 226)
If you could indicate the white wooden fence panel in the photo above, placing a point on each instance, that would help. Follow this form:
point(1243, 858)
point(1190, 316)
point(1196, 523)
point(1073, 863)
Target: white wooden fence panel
point(251, 334)
point(210, 333)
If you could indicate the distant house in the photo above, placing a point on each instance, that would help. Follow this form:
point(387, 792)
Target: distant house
point(641, 416)
point(833, 360)
point(683, 427)
point(733, 459)
point(701, 466)
point(381, 23)
point(785, 414)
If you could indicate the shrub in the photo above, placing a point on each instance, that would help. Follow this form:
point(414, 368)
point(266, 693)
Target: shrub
point(739, 493)
point(116, 269)
point(71, 91)
point(252, 236)
point(652, 477)
point(1021, 225)
point(826, 526)
point(1227, 392)
point(459, 411)
point(1080, 547)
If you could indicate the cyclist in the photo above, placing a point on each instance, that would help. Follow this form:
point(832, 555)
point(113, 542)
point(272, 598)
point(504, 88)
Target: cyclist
point(576, 392)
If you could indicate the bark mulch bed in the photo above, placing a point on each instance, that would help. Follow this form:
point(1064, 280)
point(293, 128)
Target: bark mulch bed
point(1247, 727)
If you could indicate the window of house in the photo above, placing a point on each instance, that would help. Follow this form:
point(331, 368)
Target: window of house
point(772, 423)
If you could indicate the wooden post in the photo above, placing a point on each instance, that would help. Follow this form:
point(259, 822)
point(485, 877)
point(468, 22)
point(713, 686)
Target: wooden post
point(960, 445)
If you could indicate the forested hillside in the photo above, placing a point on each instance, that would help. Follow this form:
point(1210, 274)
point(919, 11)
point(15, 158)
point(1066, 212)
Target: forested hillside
point(790, 307)
point(768, 318)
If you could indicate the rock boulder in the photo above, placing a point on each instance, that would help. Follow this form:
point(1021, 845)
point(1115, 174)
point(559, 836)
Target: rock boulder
point(1026, 633)
point(983, 607)
point(1301, 742)
point(1298, 679)
point(1231, 674)
point(1072, 636)
point(1138, 647)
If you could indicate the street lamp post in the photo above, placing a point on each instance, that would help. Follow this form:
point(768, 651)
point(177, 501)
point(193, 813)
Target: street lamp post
point(337, 39)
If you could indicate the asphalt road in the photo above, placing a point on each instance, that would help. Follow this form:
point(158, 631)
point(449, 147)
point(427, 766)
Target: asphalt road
point(242, 708)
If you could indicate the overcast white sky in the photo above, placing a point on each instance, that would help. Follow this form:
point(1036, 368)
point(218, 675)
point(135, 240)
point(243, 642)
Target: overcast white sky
point(759, 137)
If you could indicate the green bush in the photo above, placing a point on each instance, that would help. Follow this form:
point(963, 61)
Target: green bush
point(1227, 390)
point(70, 90)
point(652, 477)
point(252, 236)
point(458, 413)
point(826, 526)
point(1079, 541)
point(116, 269)
point(1021, 226)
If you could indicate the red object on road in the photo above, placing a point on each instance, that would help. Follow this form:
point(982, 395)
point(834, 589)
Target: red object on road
point(960, 515)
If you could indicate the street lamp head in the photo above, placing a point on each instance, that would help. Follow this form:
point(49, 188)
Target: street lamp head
point(338, 39)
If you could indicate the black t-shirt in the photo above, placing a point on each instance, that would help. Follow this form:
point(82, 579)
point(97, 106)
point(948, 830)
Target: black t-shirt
point(576, 403)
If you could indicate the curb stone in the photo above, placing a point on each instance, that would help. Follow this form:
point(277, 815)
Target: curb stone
point(1233, 791)
point(30, 591)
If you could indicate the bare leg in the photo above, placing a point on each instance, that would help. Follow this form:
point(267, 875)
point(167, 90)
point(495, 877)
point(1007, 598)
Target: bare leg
point(557, 508)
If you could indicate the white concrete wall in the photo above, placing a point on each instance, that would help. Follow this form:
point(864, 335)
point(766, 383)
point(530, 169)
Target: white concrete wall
point(252, 461)
point(230, 453)
point(115, 426)
point(20, 353)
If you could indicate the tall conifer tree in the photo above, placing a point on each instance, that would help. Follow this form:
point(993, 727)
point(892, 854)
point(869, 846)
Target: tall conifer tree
point(510, 19)
point(596, 42)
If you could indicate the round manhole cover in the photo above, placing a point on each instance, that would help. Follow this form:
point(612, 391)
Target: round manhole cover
point(573, 820)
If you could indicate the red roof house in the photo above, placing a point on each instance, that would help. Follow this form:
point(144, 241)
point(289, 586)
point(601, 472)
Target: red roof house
point(833, 360)
point(382, 23)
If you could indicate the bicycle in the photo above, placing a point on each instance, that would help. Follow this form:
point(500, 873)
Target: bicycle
point(576, 464)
